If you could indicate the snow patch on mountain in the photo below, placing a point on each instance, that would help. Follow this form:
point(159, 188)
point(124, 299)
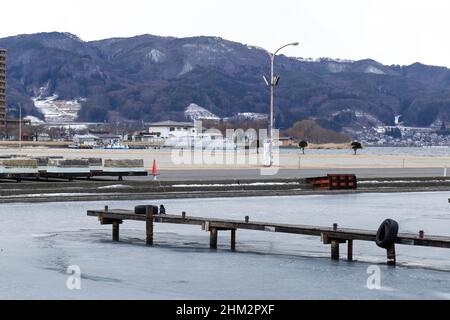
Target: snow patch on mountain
point(33, 119)
point(188, 67)
point(156, 56)
point(361, 116)
point(195, 112)
point(375, 70)
point(55, 110)
point(323, 60)
point(252, 116)
point(336, 67)
point(200, 48)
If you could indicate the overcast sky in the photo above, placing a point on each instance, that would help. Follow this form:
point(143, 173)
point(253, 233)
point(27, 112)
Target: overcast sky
point(390, 31)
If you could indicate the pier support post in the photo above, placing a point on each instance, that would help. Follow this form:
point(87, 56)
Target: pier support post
point(233, 239)
point(350, 250)
point(115, 231)
point(149, 225)
point(335, 249)
point(391, 259)
point(213, 238)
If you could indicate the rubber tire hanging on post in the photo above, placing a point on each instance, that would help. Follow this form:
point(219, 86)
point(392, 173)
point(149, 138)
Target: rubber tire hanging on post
point(387, 233)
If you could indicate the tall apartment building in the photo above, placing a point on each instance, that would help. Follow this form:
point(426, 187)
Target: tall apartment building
point(2, 87)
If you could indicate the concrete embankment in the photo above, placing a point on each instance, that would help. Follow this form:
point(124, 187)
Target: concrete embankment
point(100, 190)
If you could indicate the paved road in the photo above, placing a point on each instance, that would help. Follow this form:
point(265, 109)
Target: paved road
point(207, 174)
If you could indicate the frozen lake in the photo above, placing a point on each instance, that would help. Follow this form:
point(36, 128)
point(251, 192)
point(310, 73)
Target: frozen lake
point(38, 242)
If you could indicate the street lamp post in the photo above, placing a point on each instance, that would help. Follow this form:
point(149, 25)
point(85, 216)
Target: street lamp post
point(273, 82)
point(20, 126)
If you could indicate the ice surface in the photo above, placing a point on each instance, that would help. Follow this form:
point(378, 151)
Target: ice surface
point(39, 241)
point(235, 184)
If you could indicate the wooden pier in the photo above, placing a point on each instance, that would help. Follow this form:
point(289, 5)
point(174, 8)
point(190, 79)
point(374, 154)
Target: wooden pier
point(44, 174)
point(333, 236)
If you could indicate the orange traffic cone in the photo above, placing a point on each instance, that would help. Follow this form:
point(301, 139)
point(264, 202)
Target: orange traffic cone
point(154, 170)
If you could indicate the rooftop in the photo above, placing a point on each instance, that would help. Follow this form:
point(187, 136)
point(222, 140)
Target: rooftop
point(171, 124)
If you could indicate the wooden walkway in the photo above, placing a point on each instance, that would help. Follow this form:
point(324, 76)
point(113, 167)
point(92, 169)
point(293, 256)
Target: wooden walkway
point(332, 236)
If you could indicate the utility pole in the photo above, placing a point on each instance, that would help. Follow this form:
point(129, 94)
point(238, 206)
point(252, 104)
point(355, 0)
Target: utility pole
point(20, 127)
point(272, 83)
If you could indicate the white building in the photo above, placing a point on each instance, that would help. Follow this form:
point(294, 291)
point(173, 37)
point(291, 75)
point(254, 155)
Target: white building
point(193, 135)
point(86, 140)
point(42, 137)
point(172, 129)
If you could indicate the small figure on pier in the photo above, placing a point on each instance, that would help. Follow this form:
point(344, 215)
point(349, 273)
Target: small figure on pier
point(162, 210)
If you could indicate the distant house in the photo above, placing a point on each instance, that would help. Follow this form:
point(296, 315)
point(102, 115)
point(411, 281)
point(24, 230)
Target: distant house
point(172, 129)
point(107, 138)
point(43, 137)
point(144, 136)
point(286, 142)
point(86, 139)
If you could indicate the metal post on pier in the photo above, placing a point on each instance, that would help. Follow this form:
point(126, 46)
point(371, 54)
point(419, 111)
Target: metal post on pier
point(391, 259)
point(335, 245)
point(149, 225)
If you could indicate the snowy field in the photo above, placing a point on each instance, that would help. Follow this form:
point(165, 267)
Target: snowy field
point(38, 242)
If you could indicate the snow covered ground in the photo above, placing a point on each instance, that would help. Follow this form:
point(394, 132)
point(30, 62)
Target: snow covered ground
point(195, 112)
point(34, 120)
point(55, 110)
point(38, 242)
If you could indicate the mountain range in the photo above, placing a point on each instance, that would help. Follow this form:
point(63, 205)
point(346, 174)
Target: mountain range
point(152, 78)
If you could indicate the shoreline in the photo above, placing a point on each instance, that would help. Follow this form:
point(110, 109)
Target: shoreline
point(107, 190)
